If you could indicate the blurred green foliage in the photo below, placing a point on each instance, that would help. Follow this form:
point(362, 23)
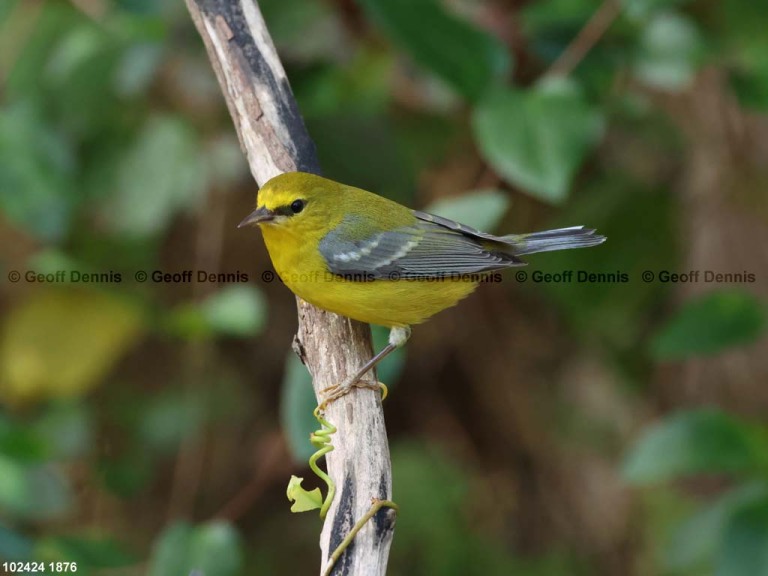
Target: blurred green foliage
point(711, 324)
point(465, 57)
point(134, 411)
point(437, 541)
point(213, 549)
point(537, 138)
point(42, 339)
point(728, 535)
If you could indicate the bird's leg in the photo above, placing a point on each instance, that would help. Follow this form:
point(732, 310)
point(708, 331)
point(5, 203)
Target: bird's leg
point(398, 336)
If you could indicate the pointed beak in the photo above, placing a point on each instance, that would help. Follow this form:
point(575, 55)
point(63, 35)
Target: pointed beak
point(257, 217)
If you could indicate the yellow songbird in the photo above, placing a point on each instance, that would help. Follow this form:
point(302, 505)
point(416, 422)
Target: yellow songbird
point(358, 254)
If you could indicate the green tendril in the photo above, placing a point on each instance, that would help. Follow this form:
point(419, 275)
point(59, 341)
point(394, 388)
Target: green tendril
point(375, 507)
point(304, 500)
point(321, 439)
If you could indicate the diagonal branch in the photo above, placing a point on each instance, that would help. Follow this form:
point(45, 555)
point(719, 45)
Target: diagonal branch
point(274, 139)
point(586, 39)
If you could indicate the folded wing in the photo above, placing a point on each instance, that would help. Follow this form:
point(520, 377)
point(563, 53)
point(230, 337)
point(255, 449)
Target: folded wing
point(432, 247)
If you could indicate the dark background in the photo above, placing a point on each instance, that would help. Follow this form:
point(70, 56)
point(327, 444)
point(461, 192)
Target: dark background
point(539, 428)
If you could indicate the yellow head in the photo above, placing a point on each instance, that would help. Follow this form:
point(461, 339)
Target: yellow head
point(298, 202)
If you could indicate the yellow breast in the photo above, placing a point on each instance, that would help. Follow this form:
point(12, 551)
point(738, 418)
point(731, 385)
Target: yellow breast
point(385, 302)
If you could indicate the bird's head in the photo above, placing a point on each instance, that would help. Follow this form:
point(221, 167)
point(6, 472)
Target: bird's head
point(294, 200)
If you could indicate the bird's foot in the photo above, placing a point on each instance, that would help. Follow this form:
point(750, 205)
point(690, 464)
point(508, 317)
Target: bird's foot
point(333, 393)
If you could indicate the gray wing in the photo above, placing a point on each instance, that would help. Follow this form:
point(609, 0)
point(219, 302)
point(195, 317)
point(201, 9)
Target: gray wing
point(432, 247)
point(457, 226)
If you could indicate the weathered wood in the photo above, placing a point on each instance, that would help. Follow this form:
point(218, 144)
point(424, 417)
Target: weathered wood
point(274, 139)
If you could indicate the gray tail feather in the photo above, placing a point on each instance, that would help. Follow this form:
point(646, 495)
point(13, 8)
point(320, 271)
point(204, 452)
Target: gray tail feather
point(548, 240)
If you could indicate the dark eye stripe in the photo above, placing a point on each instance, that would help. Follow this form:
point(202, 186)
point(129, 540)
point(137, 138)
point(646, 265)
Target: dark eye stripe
point(291, 209)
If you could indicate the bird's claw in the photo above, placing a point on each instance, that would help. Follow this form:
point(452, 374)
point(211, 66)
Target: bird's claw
point(333, 393)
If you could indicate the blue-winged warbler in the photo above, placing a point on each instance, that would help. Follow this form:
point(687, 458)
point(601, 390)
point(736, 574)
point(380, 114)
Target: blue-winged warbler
point(358, 254)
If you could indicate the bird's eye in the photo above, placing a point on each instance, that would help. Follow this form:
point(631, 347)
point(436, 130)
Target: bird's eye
point(297, 206)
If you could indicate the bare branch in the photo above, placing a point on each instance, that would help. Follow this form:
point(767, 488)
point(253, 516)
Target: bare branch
point(585, 40)
point(274, 139)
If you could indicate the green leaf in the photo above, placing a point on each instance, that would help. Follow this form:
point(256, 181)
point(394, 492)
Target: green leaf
point(710, 324)
point(537, 138)
point(136, 68)
point(215, 550)
point(187, 322)
point(160, 175)
point(303, 500)
point(170, 417)
point(696, 542)
point(75, 49)
point(237, 310)
point(13, 487)
point(169, 554)
point(745, 546)
point(297, 403)
point(78, 77)
point(481, 209)
point(36, 173)
point(695, 442)
point(33, 492)
point(465, 57)
point(670, 51)
point(212, 549)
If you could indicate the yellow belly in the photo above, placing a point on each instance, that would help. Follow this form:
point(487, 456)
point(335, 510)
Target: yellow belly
point(384, 302)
